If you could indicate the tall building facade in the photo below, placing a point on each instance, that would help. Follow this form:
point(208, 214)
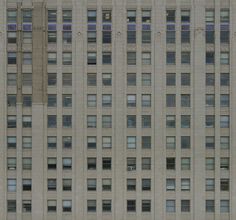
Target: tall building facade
point(118, 110)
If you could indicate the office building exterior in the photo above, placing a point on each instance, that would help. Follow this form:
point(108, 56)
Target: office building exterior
point(118, 110)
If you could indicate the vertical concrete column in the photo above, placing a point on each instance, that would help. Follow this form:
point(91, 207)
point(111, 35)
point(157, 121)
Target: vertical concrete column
point(119, 120)
point(199, 112)
point(159, 107)
point(3, 110)
point(38, 101)
point(232, 109)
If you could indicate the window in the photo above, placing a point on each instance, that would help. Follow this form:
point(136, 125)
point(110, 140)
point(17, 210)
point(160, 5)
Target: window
point(224, 100)
point(170, 79)
point(106, 163)
point(67, 163)
point(146, 27)
point(185, 100)
point(91, 142)
point(26, 206)
point(131, 121)
point(170, 184)
point(224, 121)
point(67, 184)
point(106, 121)
point(11, 185)
point(210, 121)
point(26, 163)
point(170, 100)
point(106, 79)
point(185, 28)
point(210, 205)
point(131, 26)
point(185, 142)
point(170, 16)
point(52, 100)
point(224, 163)
point(11, 79)
point(210, 163)
point(67, 37)
point(224, 79)
point(27, 37)
point(11, 121)
point(27, 58)
point(146, 142)
point(210, 20)
point(170, 58)
point(185, 163)
point(67, 121)
point(224, 142)
point(224, 58)
point(131, 205)
point(170, 121)
point(11, 100)
point(52, 142)
point(92, 16)
point(91, 205)
point(185, 121)
point(67, 16)
point(92, 36)
point(91, 184)
point(106, 100)
point(185, 184)
point(106, 142)
point(11, 205)
point(224, 184)
point(170, 163)
point(146, 58)
point(210, 142)
point(146, 205)
point(210, 184)
point(106, 184)
point(67, 142)
point(131, 184)
point(106, 58)
point(91, 163)
point(26, 121)
point(66, 205)
point(210, 57)
point(224, 19)
point(224, 206)
point(91, 79)
point(52, 121)
point(66, 58)
point(170, 142)
point(210, 79)
point(146, 100)
point(11, 16)
point(52, 79)
point(27, 142)
point(52, 184)
point(91, 19)
point(210, 100)
point(185, 79)
point(52, 163)
point(11, 142)
point(146, 163)
point(131, 142)
point(92, 58)
point(146, 121)
point(52, 205)
point(11, 163)
point(27, 100)
point(170, 205)
point(66, 79)
point(52, 58)
point(131, 79)
point(185, 57)
point(185, 205)
point(146, 79)
point(131, 163)
point(131, 100)
point(26, 184)
point(91, 121)
point(11, 37)
point(52, 16)
point(67, 100)
point(27, 16)
point(11, 56)
point(106, 205)
point(131, 58)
